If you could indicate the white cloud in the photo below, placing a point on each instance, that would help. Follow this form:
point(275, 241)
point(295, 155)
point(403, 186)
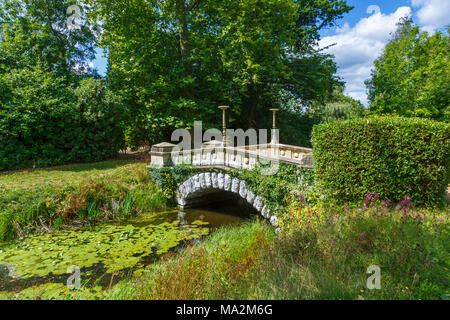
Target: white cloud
point(433, 14)
point(356, 48)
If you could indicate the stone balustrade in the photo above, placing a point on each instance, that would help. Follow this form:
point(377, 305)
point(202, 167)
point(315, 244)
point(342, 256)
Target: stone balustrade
point(213, 154)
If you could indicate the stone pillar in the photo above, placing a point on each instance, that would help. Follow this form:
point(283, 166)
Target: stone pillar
point(275, 137)
point(161, 155)
point(224, 124)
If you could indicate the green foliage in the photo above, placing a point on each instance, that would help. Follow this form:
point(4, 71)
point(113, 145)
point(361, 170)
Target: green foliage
point(211, 270)
point(279, 188)
point(334, 246)
point(51, 110)
point(54, 198)
point(117, 247)
point(43, 122)
point(297, 121)
point(36, 34)
point(336, 107)
point(395, 157)
point(322, 253)
point(412, 77)
point(175, 61)
point(169, 178)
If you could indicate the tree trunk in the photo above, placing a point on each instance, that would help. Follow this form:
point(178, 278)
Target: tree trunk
point(252, 106)
point(181, 10)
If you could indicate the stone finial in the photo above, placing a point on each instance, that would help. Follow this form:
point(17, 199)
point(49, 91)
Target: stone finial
point(161, 155)
point(275, 138)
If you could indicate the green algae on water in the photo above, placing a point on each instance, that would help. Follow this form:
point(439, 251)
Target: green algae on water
point(117, 247)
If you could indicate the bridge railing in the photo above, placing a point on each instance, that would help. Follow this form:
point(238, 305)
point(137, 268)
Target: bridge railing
point(213, 154)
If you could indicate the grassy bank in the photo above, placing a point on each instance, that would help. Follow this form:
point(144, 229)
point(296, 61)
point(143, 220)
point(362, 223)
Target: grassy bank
point(323, 253)
point(53, 198)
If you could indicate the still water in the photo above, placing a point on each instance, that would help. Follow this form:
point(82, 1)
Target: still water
point(106, 253)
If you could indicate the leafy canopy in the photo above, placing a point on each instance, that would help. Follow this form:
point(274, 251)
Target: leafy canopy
point(412, 76)
point(175, 61)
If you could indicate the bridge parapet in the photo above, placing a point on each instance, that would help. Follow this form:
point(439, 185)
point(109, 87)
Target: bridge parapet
point(213, 154)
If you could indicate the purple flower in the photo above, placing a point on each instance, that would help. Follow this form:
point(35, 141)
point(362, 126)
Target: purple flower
point(386, 204)
point(367, 200)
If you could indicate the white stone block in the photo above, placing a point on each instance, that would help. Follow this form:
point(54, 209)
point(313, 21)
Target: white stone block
point(243, 189)
point(274, 221)
point(208, 180)
point(258, 203)
point(221, 180)
point(181, 201)
point(202, 181)
point(214, 181)
point(265, 212)
point(250, 197)
point(182, 189)
point(227, 184)
point(196, 183)
point(235, 185)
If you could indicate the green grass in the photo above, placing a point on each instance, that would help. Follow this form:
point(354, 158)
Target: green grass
point(57, 176)
point(37, 200)
point(318, 256)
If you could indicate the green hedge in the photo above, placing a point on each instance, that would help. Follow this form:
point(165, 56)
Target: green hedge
point(392, 156)
point(45, 122)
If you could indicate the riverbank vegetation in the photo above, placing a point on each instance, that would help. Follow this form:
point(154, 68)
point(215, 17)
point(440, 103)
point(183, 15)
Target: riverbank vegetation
point(323, 253)
point(60, 197)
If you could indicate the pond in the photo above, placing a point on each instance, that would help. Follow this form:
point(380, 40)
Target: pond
point(108, 252)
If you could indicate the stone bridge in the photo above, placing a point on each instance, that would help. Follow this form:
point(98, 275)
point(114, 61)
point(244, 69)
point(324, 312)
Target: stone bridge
point(219, 186)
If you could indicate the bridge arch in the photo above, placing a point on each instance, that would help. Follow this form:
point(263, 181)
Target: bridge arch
point(205, 183)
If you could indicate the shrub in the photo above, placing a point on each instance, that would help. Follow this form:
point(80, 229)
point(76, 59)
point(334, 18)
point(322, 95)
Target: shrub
point(52, 198)
point(43, 121)
point(393, 156)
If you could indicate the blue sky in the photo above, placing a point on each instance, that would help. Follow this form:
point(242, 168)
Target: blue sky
point(361, 36)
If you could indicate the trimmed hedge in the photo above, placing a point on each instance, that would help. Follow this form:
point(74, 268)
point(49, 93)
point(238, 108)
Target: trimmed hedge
point(393, 156)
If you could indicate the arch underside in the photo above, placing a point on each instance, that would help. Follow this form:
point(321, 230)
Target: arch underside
point(220, 185)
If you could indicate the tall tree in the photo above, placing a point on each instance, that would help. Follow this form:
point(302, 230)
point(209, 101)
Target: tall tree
point(174, 61)
point(36, 33)
point(412, 76)
point(51, 110)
